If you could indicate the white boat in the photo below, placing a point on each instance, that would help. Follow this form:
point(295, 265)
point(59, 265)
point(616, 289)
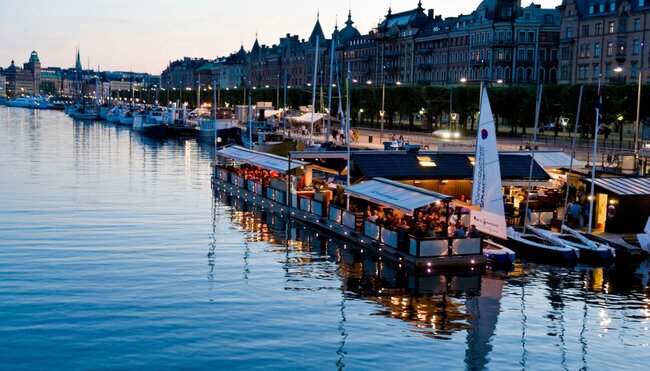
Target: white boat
point(85, 113)
point(150, 122)
point(126, 117)
point(103, 112)
point(25, 102)
point(114, 114)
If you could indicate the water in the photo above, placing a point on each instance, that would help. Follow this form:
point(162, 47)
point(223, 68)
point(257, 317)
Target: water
point(116, 253)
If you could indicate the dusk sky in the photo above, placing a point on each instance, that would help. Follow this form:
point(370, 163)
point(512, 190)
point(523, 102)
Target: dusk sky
point(144, 36)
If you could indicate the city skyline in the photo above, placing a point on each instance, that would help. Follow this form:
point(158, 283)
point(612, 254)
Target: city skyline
point(123, 35)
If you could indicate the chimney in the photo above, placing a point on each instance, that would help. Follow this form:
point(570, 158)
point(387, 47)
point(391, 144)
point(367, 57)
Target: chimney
point(430, 13)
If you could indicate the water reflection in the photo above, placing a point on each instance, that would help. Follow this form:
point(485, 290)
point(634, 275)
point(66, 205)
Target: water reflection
point(436, 306)
point(574, 307)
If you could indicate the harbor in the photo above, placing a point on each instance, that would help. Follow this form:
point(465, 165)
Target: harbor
point(154, 244)
point(365, 186)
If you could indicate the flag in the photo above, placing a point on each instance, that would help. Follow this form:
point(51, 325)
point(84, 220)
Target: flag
point(599, 102)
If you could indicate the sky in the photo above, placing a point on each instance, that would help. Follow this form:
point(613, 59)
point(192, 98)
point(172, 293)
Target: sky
point(144, 36)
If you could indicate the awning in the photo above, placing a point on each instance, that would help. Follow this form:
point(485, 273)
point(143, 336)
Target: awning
point(623, 186)
point(307, 118)
point(551, 159)
point(395, 194)
point(261, 159)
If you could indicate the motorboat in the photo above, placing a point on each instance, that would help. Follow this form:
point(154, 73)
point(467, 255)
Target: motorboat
point(150, 122)
point(25, 102)
point(85, 113)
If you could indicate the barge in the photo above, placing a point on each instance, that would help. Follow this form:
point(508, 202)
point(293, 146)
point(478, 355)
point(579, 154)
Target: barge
point(279, 191)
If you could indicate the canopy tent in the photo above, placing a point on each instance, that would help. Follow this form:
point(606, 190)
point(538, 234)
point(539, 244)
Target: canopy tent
point(307, 118)
point(395, 194)
point(261, 159)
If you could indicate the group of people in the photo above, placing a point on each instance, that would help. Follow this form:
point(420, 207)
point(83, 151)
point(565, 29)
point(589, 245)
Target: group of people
point(430, 221)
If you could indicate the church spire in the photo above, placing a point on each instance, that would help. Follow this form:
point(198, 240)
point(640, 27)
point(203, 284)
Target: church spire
point(77, 64)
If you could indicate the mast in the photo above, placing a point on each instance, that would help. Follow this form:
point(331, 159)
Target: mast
point(599, 105)
point(573, 155)
point(284, 104)
point(347, 130)
point(250, 120)
point(329, 95)
point(313, 94)
point(532, 151)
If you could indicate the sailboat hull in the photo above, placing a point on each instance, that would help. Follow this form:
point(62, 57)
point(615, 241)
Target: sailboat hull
point(535, 248)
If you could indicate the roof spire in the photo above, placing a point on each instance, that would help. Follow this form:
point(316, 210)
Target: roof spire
point(420, 5)
point(349, 21)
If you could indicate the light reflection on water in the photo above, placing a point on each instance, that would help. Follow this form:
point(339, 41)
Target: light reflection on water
point(116, 252)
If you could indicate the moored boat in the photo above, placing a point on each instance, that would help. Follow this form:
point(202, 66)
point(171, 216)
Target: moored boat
point(590, 251)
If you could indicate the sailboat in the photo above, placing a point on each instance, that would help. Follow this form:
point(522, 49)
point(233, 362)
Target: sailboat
point(490, 219)
point(487, 195)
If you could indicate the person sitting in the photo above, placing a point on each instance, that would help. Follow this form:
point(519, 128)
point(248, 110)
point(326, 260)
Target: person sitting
point(473, 232)
point(459, 231)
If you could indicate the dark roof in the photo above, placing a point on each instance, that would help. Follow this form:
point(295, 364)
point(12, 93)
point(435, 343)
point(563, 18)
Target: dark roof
point(413, 18)
point(348, 32)
point(623, 186)
point(317, 33)
point(401, 165)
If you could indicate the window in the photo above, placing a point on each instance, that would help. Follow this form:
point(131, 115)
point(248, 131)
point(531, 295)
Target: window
point(620, 49)
point(568, 33)
point(602, 7)
point(596, 49)
point(542, 55)
point(596, 72)
point(553, 55)
point(598, 28)
point(522, 36)
point(637, 24)
point(500, 55)
point(565, 52)
point(610, 27)
point(610, 49)
point(591, 9)
point(564, 73)
point(633, 70)
point(641, 2)
point(612, 6)
point(608, 71)
point(622, 26)
point(585, 30)
point(635, 47)
point(582, 72)
point(531, 36)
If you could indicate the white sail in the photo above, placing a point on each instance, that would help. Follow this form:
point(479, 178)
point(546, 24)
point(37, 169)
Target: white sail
point(486, 188)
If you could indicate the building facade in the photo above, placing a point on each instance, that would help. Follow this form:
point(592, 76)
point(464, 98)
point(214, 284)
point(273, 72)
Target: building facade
point(25, 80)
point(603, 38)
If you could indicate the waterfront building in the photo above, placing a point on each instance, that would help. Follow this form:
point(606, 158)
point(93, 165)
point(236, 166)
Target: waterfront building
point(181, 74)
point(267, 64)
point(603, 38)
point(3, 85)
point(229, 71)
point(25, 80)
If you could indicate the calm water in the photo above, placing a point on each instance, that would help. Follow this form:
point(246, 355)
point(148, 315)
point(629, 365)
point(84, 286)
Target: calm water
point(116, 253)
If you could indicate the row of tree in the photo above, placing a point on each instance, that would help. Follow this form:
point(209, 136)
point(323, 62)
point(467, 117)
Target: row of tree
point(513, 105)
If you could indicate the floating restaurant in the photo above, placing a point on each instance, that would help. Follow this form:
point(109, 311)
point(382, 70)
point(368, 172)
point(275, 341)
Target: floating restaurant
point(416, 227)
